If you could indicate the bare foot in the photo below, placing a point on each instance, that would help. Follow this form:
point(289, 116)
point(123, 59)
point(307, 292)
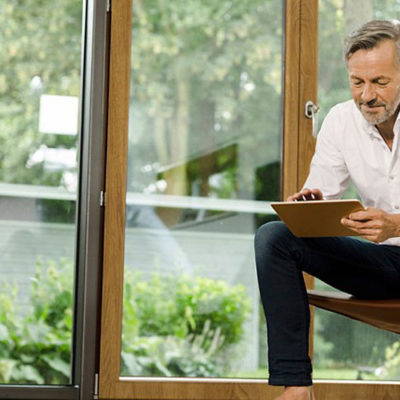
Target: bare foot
point(297, 393)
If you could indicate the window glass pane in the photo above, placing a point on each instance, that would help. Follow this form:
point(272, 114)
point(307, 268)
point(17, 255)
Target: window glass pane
point(204, 161)
point(40, 81)
point(343, 348)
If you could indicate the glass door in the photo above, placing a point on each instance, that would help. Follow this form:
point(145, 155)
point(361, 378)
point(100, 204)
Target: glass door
point(40, 94)
point(203, 163)
point(196, 121)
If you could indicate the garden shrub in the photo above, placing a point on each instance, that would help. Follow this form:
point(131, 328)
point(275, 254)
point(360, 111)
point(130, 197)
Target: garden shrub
point(342, 344)
point(391, 367)
point(35, 345)
point(173, 356)
point(173, 325)
point(200, 318)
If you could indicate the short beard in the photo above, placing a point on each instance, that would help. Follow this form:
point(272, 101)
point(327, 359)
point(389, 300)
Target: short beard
point(379, 119)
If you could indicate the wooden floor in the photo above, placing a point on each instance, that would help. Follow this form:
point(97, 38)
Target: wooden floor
point(356, 391)
point(323, 391)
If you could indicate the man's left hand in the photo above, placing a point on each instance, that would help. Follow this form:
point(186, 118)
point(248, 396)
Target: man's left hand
point(373, 224)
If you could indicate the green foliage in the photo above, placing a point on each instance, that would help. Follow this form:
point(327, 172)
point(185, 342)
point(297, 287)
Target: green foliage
point(194, 355)
point(199, 318)
point(40, 54)
point(322, 347)
point(35, 344)
point(62, 211)
point(47, 49)
point(345, 342)
point(391, 370)
point(202, 300)
point(205, 74)
point(172, 326)
point(181, 305)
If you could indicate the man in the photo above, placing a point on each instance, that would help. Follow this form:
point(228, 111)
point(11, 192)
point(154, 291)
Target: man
point(359, 140)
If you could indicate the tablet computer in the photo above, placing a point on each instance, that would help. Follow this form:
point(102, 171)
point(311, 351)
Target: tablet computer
point(316, 218)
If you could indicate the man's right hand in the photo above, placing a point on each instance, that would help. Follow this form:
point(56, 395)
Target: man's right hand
point(306, 195)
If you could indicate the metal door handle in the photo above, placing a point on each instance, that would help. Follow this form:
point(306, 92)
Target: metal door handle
point(311, 111)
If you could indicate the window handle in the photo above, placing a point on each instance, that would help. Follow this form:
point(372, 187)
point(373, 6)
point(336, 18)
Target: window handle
point(311, 111)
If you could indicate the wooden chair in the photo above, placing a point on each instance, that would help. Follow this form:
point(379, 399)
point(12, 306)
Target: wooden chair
point(384, 314)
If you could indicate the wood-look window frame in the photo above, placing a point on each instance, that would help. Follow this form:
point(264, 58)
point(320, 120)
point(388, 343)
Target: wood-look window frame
point(299, 86)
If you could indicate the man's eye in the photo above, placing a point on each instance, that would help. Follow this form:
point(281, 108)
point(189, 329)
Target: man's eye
point(357, 83)
point(383, 83)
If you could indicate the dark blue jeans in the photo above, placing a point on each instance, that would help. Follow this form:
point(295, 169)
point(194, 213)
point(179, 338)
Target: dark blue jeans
point(360, 268)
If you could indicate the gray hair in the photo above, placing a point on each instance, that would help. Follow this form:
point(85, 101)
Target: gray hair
point(371, 34)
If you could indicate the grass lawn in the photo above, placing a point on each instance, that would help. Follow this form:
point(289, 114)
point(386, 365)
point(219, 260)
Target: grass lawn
point(319, 373)
point(345, 374)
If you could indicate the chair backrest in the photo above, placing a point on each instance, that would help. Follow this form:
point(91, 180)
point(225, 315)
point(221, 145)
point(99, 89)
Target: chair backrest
point(384, 314)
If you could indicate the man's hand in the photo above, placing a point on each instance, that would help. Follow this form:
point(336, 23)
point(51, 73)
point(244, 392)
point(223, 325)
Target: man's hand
point(306, 194)
point(373, 224)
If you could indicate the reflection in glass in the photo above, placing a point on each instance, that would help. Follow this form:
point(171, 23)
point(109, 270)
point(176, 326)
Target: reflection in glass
point(204, 160)
point(343, 348)
point(39, 95)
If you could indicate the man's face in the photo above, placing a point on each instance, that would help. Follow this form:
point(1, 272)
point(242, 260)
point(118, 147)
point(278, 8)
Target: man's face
point(375, 82)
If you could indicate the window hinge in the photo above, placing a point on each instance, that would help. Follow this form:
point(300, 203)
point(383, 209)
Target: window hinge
point(108, 5)
point(96, 387)
point(102, 198)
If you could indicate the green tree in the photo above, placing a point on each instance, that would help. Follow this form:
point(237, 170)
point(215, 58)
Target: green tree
point(204, 74)
point(40, 53)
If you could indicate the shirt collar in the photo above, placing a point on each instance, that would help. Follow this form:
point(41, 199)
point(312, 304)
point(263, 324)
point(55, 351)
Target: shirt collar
point(396, 128)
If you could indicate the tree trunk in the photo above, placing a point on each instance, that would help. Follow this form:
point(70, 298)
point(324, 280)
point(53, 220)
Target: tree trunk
point(176, 175)
point(356, 13)
point(207, 163)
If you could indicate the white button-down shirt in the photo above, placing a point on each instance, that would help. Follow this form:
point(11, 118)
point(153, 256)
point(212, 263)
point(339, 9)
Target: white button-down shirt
point(349, 147)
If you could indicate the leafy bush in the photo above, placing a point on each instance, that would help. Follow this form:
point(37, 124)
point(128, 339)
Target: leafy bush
point(35, 346)
point(181, 305)
point(178, 325)
point(391, 368)
point(173, 356)
point(172, 326)
point(342, 344)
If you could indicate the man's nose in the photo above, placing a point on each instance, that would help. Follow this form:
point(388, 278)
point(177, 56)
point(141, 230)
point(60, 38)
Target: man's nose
point(368, 93)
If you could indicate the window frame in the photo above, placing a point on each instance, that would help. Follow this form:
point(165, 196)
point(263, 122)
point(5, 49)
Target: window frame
point(89, 217)
point(299, 85)
point(296, 15)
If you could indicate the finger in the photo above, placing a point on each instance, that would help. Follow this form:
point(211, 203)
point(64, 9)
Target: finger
point(307, 194)
point(370, 234)
point(317, 194)
point(294, 197)
point(356, 225)
point(360, 216)
point(362, 229)
point(367, 214)
point(369, 224)
point(346, 221)
point(299, 196)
